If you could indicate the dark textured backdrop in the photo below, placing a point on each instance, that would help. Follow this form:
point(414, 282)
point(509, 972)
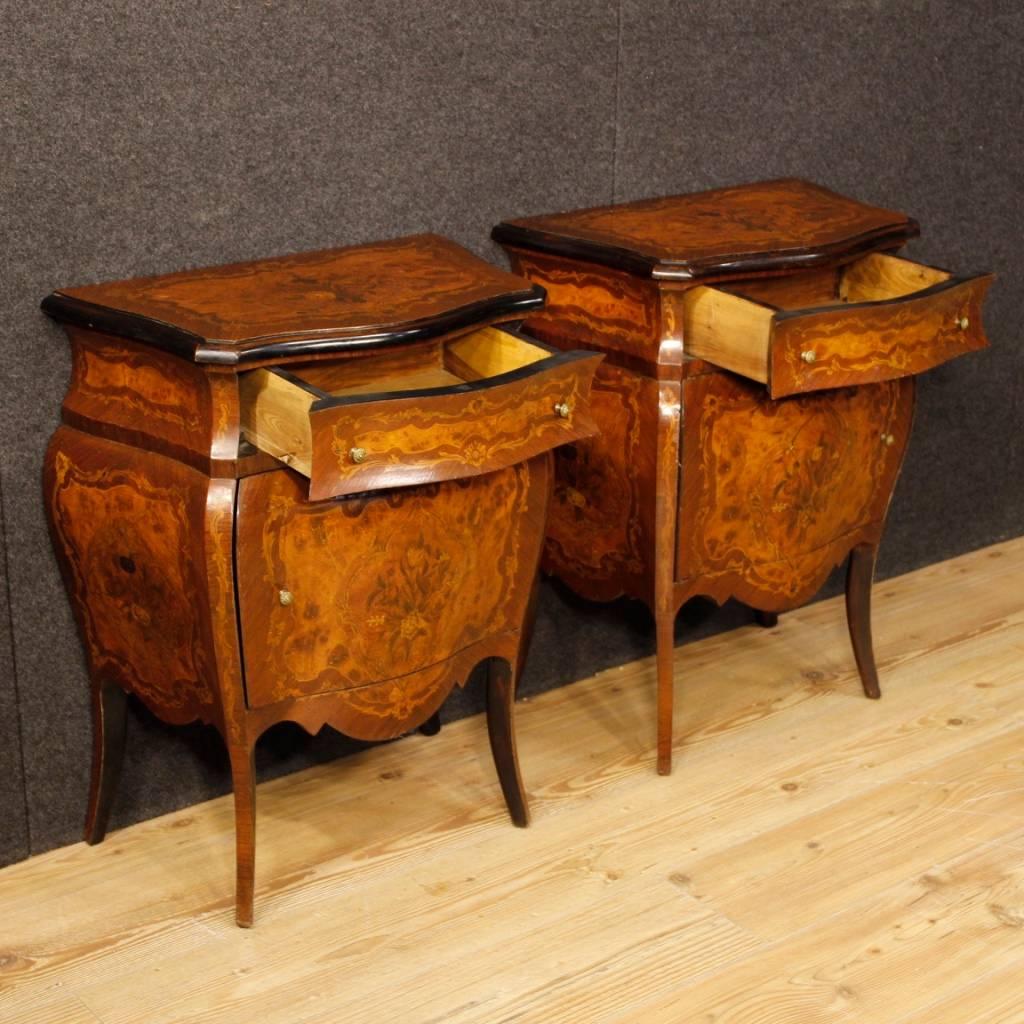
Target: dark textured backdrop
point(143, 137)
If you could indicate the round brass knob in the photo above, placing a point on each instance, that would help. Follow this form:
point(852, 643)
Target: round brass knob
point(963, 323)
point(888, 439)
point(285, 597)
point(562, 410)
point(357, 455)
point(808, 355)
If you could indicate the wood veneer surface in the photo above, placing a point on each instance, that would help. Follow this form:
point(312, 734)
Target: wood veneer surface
point(400, 290)
point(783, 224)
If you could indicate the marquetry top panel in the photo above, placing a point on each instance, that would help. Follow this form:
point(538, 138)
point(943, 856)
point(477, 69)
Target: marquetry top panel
point(362, 296)
point(770, 225)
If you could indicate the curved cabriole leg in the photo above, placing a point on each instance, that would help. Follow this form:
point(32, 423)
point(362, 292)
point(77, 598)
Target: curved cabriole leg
point(243, 777)
point(665, 634)
point(109, 707)
point(766, 620)
point(859, 574)
point(500, 704)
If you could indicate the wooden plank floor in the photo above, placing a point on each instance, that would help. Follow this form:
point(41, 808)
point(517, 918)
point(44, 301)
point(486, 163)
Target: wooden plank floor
point(815, 857)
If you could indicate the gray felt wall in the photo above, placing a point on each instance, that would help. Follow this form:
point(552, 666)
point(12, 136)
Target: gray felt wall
point(143, 137)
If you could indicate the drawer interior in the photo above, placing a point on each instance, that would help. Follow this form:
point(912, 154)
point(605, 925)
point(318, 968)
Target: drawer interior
point(276, 403)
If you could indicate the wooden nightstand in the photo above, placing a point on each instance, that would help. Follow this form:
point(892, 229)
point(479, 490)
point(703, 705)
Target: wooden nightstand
point(761, 344)
point(354, 588)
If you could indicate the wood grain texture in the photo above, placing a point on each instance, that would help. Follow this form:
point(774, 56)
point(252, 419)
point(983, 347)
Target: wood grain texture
point(382, 587)
point(884, 328)
point(814, 287)
point(771, 225)
point(421, 426)
point(600, 530)
point(782, 282)
point(490, 352)
point(474, 429)
point(777, 492)
point(752, 903)
point(384, 710)
point(391, 292)
point(665, 492)
point(368, 369)
point(880, 276)
point(109, 707)
point(861, 344)
point(859, 577)
point(127, 527)
point(141, 396)
point(590, 306)
point(729, 331)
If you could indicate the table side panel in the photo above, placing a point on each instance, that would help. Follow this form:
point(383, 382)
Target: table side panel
point(130, 392)
point(601, 528)
point(592, 305)
point(128, 530)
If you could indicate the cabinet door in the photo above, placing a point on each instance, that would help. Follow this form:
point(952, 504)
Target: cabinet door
point(343, 595)
point(774, 492)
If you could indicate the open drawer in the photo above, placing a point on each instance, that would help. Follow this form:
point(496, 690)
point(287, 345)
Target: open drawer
point(890, 318)
point(467, 406)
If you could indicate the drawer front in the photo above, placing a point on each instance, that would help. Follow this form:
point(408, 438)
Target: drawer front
point(893, 318)
point(867, 342)
point(344, 595)
point(365, 444)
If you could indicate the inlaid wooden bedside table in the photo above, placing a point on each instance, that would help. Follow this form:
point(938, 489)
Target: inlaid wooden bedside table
point(761, 344)
point(397, 550)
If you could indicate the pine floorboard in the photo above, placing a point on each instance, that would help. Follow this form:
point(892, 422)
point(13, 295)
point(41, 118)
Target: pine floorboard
point(815, 856)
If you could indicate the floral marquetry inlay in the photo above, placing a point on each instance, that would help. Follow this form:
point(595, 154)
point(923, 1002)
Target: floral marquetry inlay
point(126, 536)
point(770, 485)
point(381, 586)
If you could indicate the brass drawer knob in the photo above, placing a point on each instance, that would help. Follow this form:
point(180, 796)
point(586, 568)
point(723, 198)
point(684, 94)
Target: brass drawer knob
point(888, 439)
point(285, 597)
point(562, 410)
point(808, 355)
point(357, 455)
point(963, 323)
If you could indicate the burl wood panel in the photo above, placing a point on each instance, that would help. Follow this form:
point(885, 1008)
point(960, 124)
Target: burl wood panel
point(590, 305)
point(601, 523)
point(771, 225)
point(863, 343)
point(398, 290)
point(818, 287)
point(383, 587)
point(140, 395)
point(464, 432)
point(776, 492)
point(127, 527)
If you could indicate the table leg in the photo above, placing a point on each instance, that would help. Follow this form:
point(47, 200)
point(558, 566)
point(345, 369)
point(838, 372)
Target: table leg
point(665, 638)
point(500, 706)
point(243, 777)
point(859, 573)
point(109, 706)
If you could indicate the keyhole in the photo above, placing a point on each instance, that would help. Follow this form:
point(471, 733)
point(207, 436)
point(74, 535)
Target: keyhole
point(127, 563)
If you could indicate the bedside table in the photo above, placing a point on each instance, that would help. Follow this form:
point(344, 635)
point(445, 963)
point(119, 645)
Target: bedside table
point(311, 488)
point(761, 344)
